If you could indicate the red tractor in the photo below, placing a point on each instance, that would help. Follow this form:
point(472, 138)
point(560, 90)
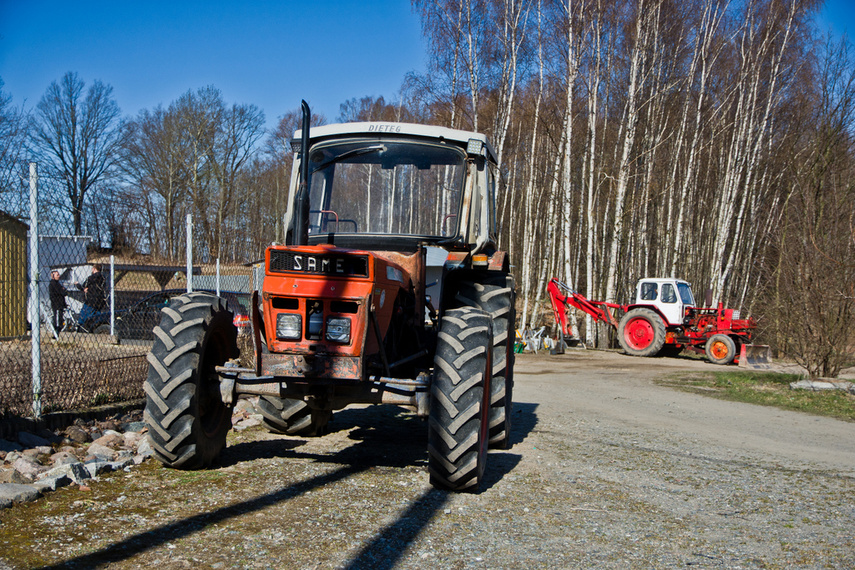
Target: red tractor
point(663, 320)
point(389, 289)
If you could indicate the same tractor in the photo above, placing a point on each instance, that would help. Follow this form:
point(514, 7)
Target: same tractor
point(389, 288)
point(663, 320)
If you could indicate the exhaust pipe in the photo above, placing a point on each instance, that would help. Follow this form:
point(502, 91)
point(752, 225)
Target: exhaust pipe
point(302, 229)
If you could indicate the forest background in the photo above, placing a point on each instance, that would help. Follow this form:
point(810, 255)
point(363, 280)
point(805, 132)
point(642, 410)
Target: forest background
point(710, 140)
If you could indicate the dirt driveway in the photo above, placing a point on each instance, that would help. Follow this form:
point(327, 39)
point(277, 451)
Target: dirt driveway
point(607, 470)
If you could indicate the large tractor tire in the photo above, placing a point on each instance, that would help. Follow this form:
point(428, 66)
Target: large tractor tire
point(641, 332)
point(460, 399)
point(292, 417)
point(496, 296)
point(720, 349)
point(186, 417)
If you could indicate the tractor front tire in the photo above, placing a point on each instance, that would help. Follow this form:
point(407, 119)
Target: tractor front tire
point(460, 401)
point(720, 349)
point(186, 418)
point(641, 332)
point(496, 296)
point(292, 417)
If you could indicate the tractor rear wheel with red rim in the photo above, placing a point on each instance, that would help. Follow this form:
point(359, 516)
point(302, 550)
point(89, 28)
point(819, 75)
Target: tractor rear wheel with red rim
point(641, 332)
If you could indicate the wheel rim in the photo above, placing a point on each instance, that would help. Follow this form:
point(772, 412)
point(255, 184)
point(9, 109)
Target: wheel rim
point(719, 350)
point(639, 333)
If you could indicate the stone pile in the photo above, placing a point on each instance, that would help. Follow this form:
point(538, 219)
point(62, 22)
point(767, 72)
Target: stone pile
point(40, 462)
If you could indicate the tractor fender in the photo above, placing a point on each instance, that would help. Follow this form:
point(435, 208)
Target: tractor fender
point(653, 308)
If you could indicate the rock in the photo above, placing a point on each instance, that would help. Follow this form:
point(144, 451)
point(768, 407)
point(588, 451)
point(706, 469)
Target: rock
point(144, 448)
point(820, 385)
point(133, 427)
point(132, 439)
point(7, 446)
point(34, 454)
point(31, 440)
point(12, 456)
point(52, 483)
point(63, 458)
point(28, 468)
point(11, 493)
point(245, 405)
point(111, 439)
point(12, 476)
point(76, 434)
point(95, 468)
point(76, 472)
point(249, 422)
point(101, 451)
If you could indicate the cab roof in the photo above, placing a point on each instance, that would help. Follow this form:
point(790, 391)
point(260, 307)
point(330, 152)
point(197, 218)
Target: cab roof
point(392, 129)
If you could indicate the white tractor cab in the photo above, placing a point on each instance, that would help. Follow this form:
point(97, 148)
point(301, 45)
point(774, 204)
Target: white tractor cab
point(670, 297)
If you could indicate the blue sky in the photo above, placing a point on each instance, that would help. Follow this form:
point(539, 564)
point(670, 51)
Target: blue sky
point(265, 52)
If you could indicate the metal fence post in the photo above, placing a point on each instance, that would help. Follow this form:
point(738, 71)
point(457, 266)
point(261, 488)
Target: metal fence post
point(112, 295)
point(218, 277)
point(189, 253)
point(35, 301)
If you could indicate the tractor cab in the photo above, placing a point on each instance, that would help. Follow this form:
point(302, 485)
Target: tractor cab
point(669, 297)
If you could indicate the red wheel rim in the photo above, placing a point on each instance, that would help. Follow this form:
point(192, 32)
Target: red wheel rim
point(639, 333)
point(719, 350)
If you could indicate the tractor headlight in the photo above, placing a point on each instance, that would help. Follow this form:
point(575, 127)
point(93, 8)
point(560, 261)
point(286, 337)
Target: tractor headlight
point(338, 329)
point(289, 326)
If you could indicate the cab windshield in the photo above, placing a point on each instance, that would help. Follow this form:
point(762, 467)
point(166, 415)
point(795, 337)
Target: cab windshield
point(385, 187)
point(686, 294)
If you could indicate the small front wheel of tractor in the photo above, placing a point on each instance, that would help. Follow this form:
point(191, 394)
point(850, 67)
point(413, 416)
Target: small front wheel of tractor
point(460, 400)
point(720, 349)
point(496, 295)
point(641, 332)
point(292, 417)
point(186, 418)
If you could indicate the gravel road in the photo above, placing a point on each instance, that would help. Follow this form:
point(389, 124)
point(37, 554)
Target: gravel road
point(607, 470)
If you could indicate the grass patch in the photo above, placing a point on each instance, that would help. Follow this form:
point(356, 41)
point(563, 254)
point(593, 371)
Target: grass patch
point(767, 389)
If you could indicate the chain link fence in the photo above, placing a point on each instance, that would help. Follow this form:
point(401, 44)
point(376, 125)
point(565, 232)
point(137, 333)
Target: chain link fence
point(94, 311)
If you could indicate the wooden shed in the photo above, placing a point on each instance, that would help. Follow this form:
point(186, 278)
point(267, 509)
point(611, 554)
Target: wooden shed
point(13, 276)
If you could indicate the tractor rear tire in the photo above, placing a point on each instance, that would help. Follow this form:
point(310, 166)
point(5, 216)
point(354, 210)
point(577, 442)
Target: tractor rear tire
point(186, 418)
point(460, 399)
point(496, 296)
point(720, 349)
point(641, 332)
point(292, 417)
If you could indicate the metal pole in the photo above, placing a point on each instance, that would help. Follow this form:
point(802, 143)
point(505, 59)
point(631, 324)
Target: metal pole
point(112, 295)
point(218, 277)
point(35, 326)
point(189, 253)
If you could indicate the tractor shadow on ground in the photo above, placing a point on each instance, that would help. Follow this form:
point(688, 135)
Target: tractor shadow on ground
point(383, 435)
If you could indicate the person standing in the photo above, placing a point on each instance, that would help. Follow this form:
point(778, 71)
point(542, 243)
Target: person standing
point(57, 295)
point(94, 295)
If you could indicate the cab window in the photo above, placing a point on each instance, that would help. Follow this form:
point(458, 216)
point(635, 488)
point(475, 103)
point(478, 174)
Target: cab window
point(648, 291)
point(668, 294)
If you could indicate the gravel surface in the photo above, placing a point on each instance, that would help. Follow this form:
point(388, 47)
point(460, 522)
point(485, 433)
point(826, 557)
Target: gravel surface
point(607, 470)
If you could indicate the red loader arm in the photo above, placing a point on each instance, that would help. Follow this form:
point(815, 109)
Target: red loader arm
point(600, 310)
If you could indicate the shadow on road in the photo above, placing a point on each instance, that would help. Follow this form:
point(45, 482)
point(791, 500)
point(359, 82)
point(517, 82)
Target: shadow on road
point(384, 436)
